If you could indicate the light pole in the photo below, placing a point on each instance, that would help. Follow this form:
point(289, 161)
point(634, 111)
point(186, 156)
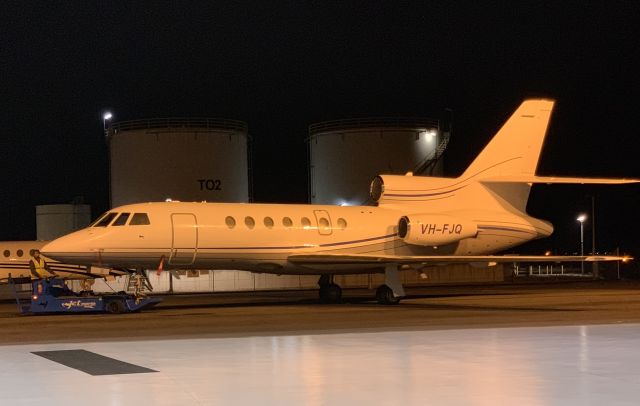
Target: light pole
point(595, 269)
point(106, 116)
point(581, 218)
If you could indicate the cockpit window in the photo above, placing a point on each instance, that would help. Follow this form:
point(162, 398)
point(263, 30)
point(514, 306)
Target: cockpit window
point(121, 220)
point(100, 217)
point(103, 222)
point(139, 219)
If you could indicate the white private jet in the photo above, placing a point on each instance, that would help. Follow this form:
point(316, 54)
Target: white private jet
point(15, 257)
point(419, 222)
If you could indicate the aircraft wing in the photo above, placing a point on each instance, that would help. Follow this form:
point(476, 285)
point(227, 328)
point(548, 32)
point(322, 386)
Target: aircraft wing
point(363, 259)
point(557, 179)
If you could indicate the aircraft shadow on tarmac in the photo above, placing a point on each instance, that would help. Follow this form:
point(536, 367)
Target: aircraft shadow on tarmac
point(406, 304)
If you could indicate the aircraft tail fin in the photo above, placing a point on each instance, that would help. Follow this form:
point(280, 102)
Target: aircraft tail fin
point(515, 149)
point(504, 170)
point(514, 152)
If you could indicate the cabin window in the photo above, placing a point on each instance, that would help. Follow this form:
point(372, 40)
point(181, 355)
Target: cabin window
point(323, 223)
point(32, 251)
point(249, 222)
point(104, 221)
point(268, 222)
point(139, 219)
point(121, 220)
point(342, 223)
point(306, 223)
point(287, 222)
point(7, 253)
point(230, 221)
point(20, 253)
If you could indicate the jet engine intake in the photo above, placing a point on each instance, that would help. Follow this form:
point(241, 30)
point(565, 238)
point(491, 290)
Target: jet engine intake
point(435, 230)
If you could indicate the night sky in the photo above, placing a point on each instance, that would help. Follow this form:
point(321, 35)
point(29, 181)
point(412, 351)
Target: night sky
point(280, 66)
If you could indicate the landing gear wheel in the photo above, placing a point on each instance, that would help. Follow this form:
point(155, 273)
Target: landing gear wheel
point(330, 293)
point(114, 307)
point(384, 295)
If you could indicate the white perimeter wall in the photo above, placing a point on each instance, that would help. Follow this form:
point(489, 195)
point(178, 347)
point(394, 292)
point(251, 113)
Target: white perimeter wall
point(235, 281)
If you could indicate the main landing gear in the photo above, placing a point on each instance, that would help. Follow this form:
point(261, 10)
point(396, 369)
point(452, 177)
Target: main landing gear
point(388, 294)
point(384, 296)
point(330, 292)
point(392, 291)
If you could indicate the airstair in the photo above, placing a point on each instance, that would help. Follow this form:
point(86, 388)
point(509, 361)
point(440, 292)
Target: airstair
point(138, 283)
point(429, 162)
point(22, 291)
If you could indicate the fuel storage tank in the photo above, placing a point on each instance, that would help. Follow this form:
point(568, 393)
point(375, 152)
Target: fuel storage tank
point(187, 159)
point(345, 155)
point(56, 220)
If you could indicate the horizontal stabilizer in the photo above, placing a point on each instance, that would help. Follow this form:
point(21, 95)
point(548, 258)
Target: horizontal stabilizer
point(556, 179)
point(360, 259)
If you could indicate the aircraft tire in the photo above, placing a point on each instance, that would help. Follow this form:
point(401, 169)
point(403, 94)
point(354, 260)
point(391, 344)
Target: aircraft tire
point(330, 293)
point(384, 295)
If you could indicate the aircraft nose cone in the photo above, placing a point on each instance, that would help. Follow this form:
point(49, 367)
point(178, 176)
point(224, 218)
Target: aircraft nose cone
point(52, 250)
point(62, 249)
point(71, 249)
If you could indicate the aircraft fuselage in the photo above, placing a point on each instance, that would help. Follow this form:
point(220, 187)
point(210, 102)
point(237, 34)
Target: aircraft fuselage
point(260, 237)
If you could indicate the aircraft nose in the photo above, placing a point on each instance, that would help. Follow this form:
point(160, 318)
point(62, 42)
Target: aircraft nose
point(74, 248)
point(61, 249)
point(52, 250)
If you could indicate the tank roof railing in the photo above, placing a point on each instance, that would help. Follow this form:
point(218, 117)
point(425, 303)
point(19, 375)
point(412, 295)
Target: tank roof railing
point(180, 122)
point(379, 122)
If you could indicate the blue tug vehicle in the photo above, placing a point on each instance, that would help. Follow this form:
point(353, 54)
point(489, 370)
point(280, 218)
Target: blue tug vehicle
point(53, 296)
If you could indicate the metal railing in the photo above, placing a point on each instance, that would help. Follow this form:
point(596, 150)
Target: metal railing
point(180, 122)
point(432, 159)
point(368, 123)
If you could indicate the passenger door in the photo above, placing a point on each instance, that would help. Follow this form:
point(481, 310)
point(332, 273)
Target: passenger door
point(184, 244)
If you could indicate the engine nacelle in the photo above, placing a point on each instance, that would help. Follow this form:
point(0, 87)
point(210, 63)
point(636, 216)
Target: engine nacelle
point(393, 189)
point(434, 229)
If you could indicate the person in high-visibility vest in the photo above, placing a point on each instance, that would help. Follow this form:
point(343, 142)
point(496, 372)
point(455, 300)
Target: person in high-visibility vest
point(39, 267)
